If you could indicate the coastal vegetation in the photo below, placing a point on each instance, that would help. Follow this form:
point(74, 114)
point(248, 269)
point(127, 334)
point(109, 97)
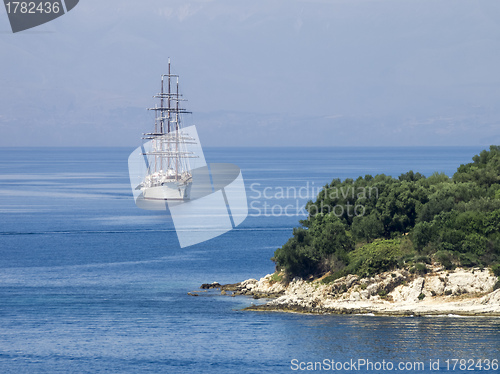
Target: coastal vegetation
point(377, 223)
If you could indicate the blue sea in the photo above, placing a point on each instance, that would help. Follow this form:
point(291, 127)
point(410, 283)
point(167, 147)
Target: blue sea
point(89, 283)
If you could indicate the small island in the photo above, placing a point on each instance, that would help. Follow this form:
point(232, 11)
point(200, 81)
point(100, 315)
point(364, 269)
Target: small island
point(412, 245)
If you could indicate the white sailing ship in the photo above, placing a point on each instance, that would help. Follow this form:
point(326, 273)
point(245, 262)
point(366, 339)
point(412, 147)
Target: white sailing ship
point(167, 156)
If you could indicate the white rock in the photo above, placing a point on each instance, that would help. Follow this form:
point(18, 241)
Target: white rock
point(434, 286)
point(409, 293)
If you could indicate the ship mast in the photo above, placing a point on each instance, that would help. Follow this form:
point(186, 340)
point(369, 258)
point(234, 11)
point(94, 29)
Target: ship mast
point(170, 109)
point(162, 120)
point(177, 132)
point(165, 132)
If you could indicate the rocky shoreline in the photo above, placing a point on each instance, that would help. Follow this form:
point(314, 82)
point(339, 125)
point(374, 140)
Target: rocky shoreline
point(463, 292)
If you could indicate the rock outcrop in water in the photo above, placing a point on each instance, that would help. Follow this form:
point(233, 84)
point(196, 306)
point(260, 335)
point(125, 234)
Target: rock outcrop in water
point(398, 292)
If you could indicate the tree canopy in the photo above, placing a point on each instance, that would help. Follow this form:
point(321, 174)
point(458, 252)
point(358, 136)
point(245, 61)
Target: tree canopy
point(454, 221)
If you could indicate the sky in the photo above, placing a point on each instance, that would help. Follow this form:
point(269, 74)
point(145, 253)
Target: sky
point(258, 73)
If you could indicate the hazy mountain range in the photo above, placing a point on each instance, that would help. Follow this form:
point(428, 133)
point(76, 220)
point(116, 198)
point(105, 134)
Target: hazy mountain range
point(259, 73)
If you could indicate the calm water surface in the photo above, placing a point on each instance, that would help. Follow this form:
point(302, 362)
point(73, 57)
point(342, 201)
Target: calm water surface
point(91, 284)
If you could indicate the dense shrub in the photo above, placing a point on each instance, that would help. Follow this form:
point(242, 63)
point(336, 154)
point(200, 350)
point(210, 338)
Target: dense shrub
point(454, 221)
point(496, 269)
point(445, 258)
point(419, 268)
point(469, 260)
point(321, 248)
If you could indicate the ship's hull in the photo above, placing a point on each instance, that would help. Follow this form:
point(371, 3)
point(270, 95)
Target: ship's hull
point(176, 190)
